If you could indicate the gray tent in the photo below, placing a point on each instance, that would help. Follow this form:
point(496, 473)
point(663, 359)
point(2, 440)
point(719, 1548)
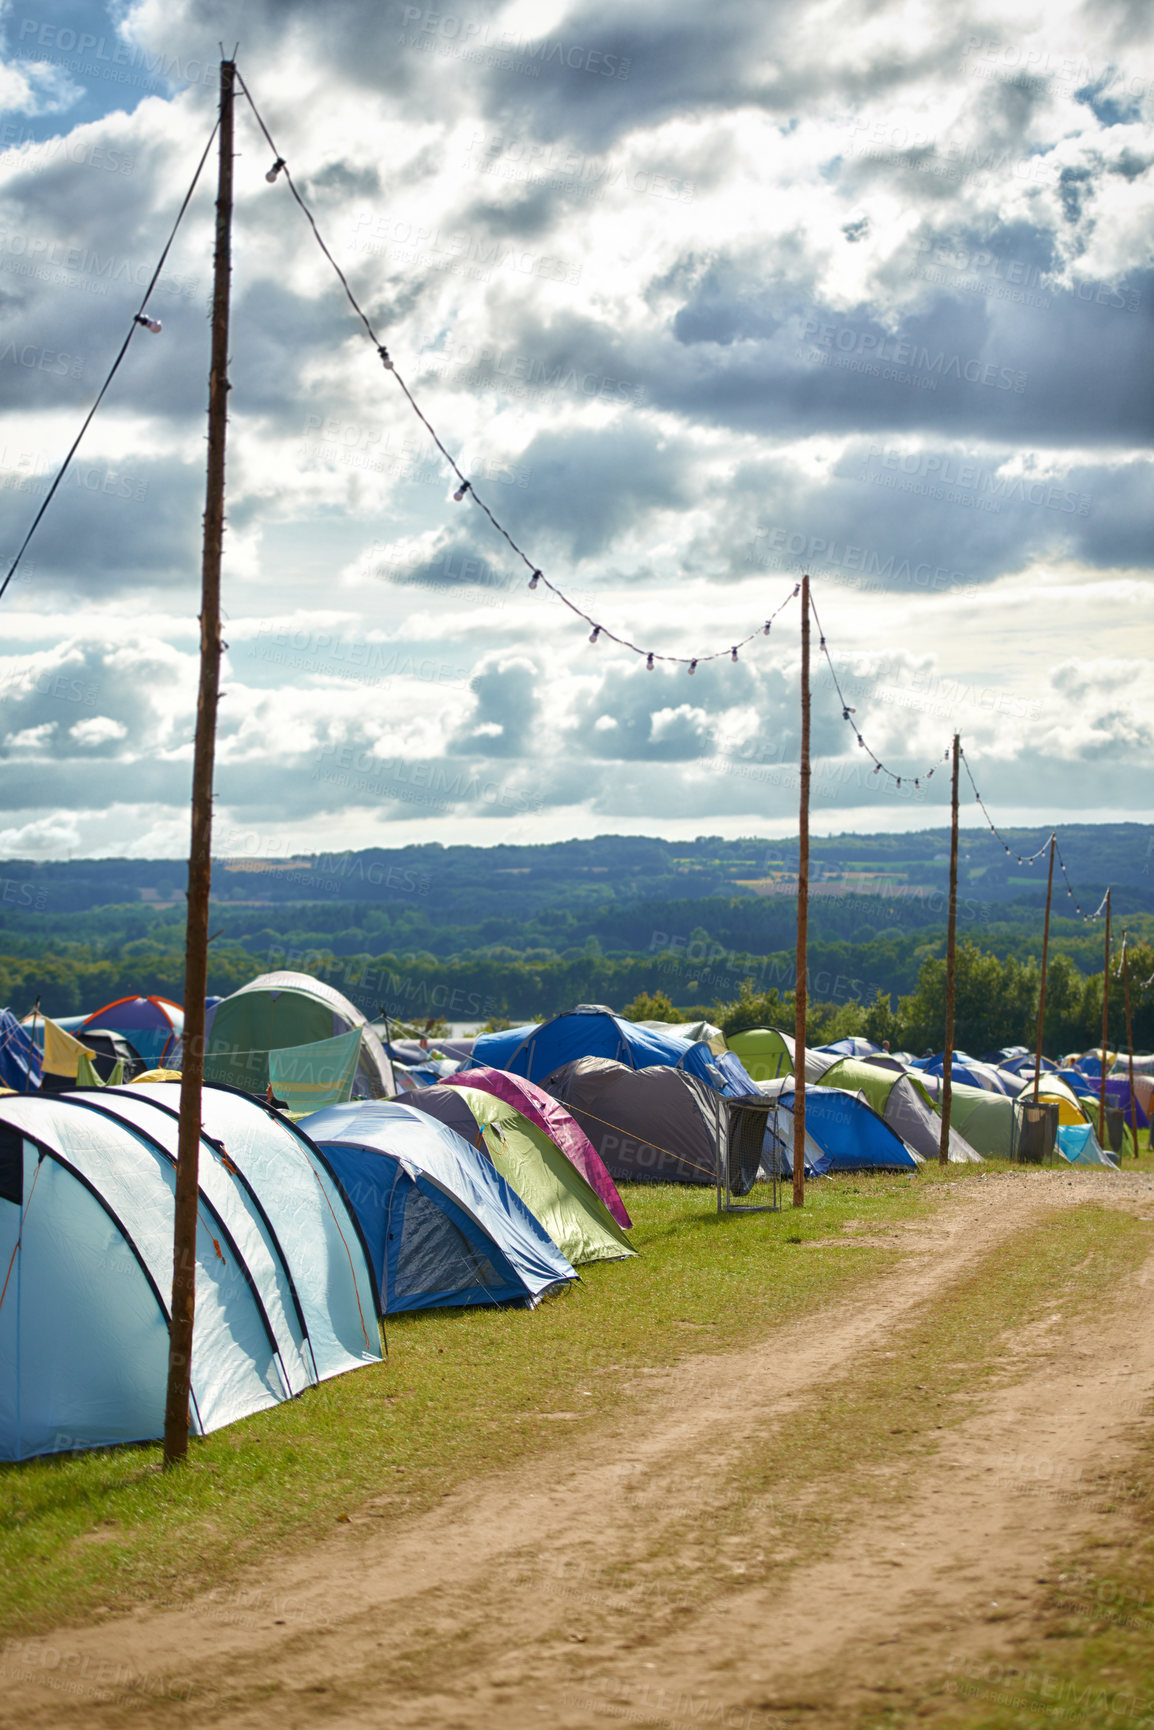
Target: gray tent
point(654, 1125)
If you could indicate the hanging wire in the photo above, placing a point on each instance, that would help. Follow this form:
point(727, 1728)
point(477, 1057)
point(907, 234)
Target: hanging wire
point(1011, 851)
point(848, 713)
point(138, 319)
point(466, 488)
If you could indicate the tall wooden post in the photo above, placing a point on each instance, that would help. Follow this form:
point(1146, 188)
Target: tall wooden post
point(1129, 1043)
point(951, 964)
point(1105, 1029)
point(800, 995)
point(1045, 953)
point(200, 849)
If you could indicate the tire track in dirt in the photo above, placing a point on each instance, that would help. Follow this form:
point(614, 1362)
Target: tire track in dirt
point(464, 1616)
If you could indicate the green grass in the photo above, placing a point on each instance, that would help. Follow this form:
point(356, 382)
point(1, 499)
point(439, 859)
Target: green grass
point(462, 1393)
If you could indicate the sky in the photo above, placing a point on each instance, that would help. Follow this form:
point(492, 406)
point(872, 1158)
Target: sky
point(699, 298)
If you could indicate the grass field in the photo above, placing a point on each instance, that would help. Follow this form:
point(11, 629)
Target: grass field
point(108, 1528)
point(465, 1392)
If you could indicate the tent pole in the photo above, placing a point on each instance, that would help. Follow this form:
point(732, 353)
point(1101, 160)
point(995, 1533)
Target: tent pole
point(1130, 1044)
point(1105, 1030)
point(951, 963)
point(32, 1051)
point(200, 846)
point(1045, 953)
point(799, 995)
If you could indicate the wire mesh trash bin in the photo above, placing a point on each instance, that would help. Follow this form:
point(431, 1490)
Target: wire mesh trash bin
point(740, 1127)
point(1115, 1128)
point(1036, 1126)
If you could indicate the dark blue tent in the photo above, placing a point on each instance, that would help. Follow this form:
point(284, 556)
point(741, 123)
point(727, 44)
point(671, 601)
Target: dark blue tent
point(20, 1063)
point(441, 1224)
point(536, 1051)
point(848, 1133)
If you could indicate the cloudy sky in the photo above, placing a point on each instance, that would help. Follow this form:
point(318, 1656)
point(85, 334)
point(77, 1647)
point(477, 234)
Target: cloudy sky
point(700, 297)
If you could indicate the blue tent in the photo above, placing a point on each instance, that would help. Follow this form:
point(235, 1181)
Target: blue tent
point(852, 1047)
point(86, 1218)
point(849, 1134)
point(535, 1051)
point(21, 1064)
point(442, 1225)
point(1078, 1145)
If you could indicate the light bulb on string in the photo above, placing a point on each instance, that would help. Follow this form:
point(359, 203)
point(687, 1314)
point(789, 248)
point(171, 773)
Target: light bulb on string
point(595, 633)
point(386, 359)
point(733, 653)
point(693, 666)
point(649, 663)
point(534, 579)
point(152, 324)
point(768, 623)
point(460, 492)
point(275, 170)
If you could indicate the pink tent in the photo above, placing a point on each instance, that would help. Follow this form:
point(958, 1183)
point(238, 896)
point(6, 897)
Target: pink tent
point(547, 1114)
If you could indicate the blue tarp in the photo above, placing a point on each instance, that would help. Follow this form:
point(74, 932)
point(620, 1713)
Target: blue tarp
point(536, 1051)
point(850, 1134)
point(17, 1056)
point(441, 1224)
point(1078, 1145)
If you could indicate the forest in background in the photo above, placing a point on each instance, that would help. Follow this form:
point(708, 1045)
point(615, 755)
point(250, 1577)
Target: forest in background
point(517, 932)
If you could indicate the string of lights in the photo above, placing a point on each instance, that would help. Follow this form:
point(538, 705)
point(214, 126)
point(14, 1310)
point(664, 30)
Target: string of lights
point(848, 713)
point(1030, 859)
point(1013, 853)
point(139, 319)
point(465, 487)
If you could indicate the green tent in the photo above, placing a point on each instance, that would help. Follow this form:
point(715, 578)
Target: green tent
point(767, 1054)
point(985, 1119)
point(550, 1186)
point(283, 1010)
point(903, 1100)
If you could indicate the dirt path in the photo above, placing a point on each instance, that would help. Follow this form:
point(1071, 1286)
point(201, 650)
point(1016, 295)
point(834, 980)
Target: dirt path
point(551, 1594)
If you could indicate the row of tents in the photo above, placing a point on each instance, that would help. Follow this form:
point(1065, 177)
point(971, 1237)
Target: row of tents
point(488, 1177)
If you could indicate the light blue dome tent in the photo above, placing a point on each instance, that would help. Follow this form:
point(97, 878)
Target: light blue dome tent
point(86, 1224)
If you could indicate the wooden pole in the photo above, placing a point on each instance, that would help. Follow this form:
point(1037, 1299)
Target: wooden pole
point(1130, 1043)
point(799, 996)
point(1105, 1029)
point(200, 848)
point(1045, 953)
point(951, 964)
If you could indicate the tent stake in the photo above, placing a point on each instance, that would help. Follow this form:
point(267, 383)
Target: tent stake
point(1045, 953)
point(1105, 1030)
point(951, 965)
point(200, 846)
point(799, 995)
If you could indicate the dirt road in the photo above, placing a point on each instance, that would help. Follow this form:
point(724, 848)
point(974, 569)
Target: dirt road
point(638, 1577)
